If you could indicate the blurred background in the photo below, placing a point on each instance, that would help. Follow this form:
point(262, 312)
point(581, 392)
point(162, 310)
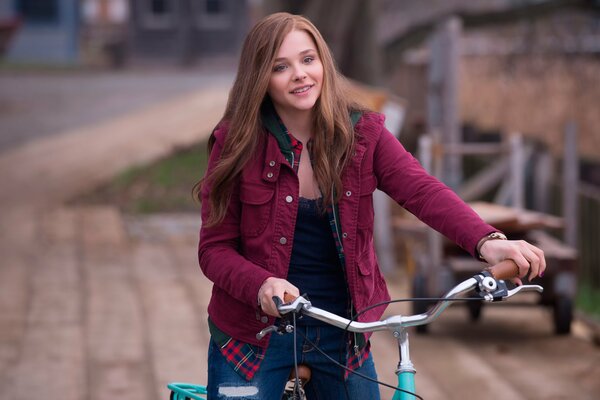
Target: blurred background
point(105, 108)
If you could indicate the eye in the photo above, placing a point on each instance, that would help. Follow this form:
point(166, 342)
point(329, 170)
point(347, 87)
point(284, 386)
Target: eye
point(308, 59)
point(279, 68)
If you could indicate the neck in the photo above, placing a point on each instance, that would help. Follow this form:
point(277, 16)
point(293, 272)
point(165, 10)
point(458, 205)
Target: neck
point(299, 123)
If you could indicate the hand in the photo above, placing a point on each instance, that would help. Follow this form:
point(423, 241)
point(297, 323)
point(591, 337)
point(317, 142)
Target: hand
point(529, 259)
point(274, 287)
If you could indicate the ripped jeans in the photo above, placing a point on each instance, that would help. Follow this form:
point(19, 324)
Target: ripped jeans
point(268, 384)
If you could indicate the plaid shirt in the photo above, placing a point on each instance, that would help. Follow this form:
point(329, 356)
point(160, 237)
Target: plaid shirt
point(245, 358)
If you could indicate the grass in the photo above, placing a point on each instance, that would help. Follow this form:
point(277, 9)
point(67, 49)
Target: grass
point(588, 300)
point(164, 186)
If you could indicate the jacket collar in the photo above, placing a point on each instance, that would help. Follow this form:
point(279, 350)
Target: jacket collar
point(273, 124)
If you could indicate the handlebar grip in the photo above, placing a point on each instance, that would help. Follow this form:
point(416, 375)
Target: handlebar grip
point(288, 298)
point(506, 269)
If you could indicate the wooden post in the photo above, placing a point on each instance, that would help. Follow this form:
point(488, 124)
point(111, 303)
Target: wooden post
point(443, 113)
point(544, 170)
point(434, 239)
point(384, 232)
point(517, 171)
point(452, 134)
point(570, 185)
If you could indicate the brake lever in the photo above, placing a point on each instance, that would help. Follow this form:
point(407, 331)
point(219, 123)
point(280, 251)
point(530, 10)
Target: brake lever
point(525, 288)
point(284, 309)
point(295, 306)
point(491, 289)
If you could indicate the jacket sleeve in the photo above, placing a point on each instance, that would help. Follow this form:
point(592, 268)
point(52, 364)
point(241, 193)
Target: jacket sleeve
point(401, 176)
point(218, 254)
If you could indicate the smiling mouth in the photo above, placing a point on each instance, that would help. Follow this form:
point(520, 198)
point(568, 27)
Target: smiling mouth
point(302, 89)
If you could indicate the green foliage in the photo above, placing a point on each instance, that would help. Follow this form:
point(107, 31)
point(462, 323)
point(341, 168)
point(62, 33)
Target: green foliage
point(164, 186)
point(588, 300)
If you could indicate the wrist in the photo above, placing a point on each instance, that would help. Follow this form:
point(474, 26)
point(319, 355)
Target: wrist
point(486, 238)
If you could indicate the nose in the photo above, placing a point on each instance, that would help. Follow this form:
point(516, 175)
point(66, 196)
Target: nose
point(299, 74)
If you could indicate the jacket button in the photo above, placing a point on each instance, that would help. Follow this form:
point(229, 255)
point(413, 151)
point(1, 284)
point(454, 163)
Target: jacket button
point(283, 240)
point(348, 193)
point(345, 235)
point(271, 163)
point(289, 199)
point(270, 175)
point(264, 320)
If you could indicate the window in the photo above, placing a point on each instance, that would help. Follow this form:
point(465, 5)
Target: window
point(158, 14)
point(214, 6)
point(38, 11)
point(159, 7)
point(212, 14)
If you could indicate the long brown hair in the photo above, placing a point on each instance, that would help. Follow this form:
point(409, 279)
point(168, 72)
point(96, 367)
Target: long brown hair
point(333, 134)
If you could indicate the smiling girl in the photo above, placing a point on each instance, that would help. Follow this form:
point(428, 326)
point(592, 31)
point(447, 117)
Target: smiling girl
point(287, 207)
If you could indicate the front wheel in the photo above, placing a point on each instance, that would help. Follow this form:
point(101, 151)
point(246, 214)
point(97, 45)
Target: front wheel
point(175, 397)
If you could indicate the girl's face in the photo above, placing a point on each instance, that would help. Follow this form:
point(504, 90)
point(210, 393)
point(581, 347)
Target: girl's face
point(297, 74)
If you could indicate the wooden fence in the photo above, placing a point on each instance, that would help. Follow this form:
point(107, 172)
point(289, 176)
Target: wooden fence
point(589, 240)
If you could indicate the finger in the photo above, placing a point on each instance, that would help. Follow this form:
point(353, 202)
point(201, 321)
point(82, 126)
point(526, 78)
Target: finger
point(517, 281)
point(534, 261)
point(540, 253)
point(293, 290)
point(534, 265)
point(522, 263)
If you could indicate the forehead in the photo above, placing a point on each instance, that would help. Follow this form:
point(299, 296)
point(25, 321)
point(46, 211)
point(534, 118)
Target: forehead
point(294, 43)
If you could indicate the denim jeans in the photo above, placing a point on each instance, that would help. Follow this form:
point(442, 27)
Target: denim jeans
point(327, 380)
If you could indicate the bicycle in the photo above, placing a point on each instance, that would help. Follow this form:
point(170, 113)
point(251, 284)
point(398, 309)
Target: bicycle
point(488, 285)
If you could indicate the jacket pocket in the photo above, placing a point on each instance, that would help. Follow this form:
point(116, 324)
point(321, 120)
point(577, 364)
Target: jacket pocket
point(367, 262)
point(256, 208)
point(366, 213)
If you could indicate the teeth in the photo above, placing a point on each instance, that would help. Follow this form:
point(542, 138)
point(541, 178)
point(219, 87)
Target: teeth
point(304, 89)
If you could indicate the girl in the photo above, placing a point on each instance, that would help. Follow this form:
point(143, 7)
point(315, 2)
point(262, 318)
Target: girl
point(287, 207)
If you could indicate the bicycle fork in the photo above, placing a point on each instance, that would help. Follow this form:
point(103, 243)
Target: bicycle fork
point(406, 370)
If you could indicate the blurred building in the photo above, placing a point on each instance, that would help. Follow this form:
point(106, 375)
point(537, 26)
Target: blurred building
point(528, 66)
point(114, 31)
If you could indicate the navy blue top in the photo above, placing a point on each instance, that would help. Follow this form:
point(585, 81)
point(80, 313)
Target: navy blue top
point(315, 267)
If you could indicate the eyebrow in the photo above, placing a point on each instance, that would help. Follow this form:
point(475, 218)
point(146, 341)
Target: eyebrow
point(301, 53)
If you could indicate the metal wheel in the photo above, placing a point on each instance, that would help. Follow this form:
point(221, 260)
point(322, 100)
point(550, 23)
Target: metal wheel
point(474, 308)
point(419, 289)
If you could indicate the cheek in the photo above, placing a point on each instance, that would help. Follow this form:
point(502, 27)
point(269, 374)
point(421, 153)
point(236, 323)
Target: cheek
point(276, 85)
point(318, 73)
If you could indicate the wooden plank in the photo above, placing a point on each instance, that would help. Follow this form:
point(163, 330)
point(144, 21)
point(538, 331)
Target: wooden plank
point(175, 342)
point(553, 248)
point(483, 181)
point(570, 185)
point(115, 332)
point(514, 220)
point(51, 361)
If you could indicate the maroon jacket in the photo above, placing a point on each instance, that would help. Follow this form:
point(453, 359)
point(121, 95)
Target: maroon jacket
point(254, 241)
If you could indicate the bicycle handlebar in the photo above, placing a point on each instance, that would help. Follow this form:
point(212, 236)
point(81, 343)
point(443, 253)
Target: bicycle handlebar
point(489, 283)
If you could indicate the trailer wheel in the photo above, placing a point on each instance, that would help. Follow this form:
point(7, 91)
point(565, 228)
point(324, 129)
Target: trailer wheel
point(563, 315)
point(474, 308)
point(419, 290)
